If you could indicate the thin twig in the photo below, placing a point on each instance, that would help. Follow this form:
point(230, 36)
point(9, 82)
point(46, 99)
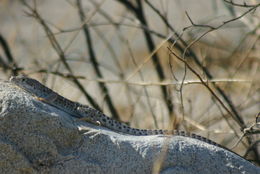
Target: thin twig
point(94, 62)
point(12, 65)
point(204, 83)
point(139, 13)
point(238, 117)
point(34, 13)
point(241, 5)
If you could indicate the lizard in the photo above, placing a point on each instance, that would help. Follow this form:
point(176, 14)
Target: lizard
point(86, 113)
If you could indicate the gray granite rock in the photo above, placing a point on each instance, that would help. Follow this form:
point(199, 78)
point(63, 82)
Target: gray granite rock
point(38, 138)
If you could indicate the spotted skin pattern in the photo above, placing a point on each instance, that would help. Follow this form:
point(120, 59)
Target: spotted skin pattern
point(91, 115)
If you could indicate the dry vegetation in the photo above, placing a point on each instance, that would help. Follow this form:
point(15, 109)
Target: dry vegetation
point(155, 64)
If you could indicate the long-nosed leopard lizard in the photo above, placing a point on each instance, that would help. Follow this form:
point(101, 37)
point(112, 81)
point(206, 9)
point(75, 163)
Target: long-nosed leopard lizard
point(91, 115)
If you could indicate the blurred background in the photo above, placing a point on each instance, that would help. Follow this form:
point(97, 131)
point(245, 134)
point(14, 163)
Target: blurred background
point(169, 64)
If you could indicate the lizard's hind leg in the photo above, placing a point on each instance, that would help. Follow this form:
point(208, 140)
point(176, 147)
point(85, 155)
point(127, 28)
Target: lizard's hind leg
point(88, 115)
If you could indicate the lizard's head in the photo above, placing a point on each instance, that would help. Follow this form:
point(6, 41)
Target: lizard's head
point(30, 85)
point(24, 82)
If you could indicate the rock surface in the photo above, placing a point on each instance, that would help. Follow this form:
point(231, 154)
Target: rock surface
point(38, 138)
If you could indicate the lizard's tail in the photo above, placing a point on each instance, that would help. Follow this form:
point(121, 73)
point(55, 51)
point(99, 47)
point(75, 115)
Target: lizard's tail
point(98, 117)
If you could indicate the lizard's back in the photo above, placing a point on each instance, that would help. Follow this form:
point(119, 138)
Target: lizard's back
point(91, 115)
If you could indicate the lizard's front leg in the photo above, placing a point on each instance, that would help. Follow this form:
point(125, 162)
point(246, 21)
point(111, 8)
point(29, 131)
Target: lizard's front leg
point(48, 98)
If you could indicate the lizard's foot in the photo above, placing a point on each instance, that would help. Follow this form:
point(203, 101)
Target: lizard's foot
point(92, 133)
point(91, 121)
point(98, 123)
